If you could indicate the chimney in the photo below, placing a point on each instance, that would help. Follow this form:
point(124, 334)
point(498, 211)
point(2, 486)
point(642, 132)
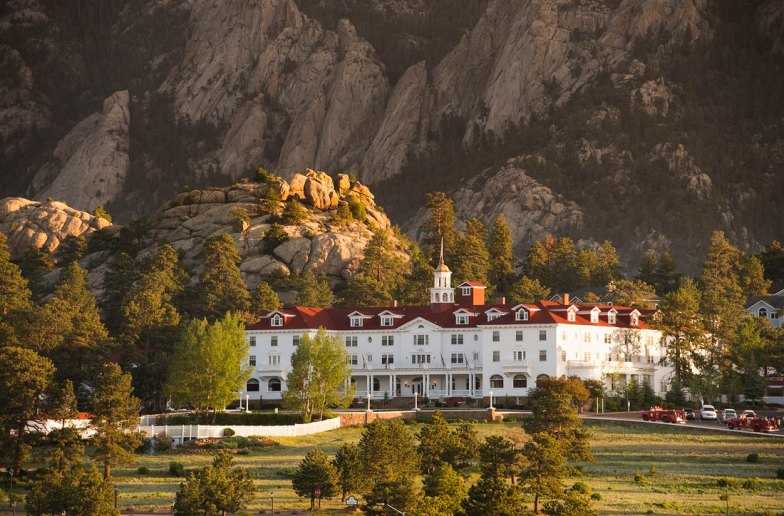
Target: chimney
point(566, 298)
point(501, 300)
point(394, 303)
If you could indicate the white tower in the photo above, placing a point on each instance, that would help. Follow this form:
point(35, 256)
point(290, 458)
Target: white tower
point(442, 291)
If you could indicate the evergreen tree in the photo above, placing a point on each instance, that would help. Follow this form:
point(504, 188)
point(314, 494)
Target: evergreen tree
point(439, 227)
point(318, 377)
point(564, 265)
point(271, 202)
point(414, 290)
point(752, 277)
point(221, 288)
point(273, 237)
point(574, 503)
point(631, 293)
point(342, 216)
point(209, 364)
point(73, 491)
point(772, 259)
point(445, 487)
point(471, 260)
point(35, 263)
point(391, 463)
point(465, 447)
point(492, 496)
point(545, 468)
point(527, 290)
point(500, 249)
point(293, 213)
point(265, 300)
point(434, 440)
point(748, 353)
point(315, 471)
point(608, 265)
point(120, 276)
point(648, 271)
point(498, 458)
point(101, 212)
point(348, 464)
point(538, 262)
point(15, 297)
point(681, 328)
point(356, 208)
point(380, 274)
point(25, 377)
point(313, 290)
point(667, 276)
point(216, 489)
point(67, 446)
point(71, 249)
point(115, 413)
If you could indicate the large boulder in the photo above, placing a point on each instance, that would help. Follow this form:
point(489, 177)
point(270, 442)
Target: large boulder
point(320, 191)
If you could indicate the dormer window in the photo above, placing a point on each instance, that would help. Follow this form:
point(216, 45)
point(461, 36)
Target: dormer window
point(634, 319)
point(386, 320)
point(611, 316)
point(493, 316)
point(466, 291)
point(356, 321)
point(521, 315)
point(571, 315)
point(277, 320)
point(595, 315)
point(762, 312)
point(461, 318)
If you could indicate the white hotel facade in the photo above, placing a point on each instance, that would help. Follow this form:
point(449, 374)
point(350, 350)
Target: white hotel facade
point(459, 347)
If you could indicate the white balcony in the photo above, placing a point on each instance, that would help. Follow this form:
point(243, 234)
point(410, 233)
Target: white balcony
point(521, 366)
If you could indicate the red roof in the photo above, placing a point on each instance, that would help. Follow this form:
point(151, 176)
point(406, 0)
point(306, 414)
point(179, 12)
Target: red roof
point(543, 312)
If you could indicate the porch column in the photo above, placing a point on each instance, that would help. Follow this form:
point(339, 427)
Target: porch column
point(471, 384)
point(449, 384)
point(426, 381)
point(391, 387)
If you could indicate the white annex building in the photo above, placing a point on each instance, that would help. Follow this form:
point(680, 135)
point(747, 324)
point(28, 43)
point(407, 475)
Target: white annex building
point(459, 347)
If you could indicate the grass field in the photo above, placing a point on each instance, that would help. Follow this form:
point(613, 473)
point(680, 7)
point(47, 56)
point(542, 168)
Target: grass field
point(648, 469)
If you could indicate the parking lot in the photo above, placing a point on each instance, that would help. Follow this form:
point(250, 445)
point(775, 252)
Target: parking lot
point(706, 425)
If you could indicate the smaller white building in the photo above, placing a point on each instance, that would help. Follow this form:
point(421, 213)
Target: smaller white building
point(459, 347)
point(770, 307)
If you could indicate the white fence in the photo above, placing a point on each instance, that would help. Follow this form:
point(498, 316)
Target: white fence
point(181, 433)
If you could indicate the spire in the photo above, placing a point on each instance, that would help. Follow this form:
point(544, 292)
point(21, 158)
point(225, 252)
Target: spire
point(441, 267)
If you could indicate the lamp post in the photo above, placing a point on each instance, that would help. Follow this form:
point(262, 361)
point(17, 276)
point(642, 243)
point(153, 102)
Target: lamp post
point(247, 403)
point(240, 393)
point(491, 399)
point(384, 504)
point(416, 393)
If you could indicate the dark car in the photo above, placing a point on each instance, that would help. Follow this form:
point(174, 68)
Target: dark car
point(690, 415)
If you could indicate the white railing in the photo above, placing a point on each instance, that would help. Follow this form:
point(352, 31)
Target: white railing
point(180, 433)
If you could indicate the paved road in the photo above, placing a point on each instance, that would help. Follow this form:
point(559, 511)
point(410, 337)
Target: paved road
point(704, 425)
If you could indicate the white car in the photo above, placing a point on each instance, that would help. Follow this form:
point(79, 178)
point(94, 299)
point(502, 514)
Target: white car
point(708, 412)
point(749, 414)
point(727, 414)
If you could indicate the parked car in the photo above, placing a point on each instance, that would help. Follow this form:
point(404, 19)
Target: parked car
point(708, 413)
point(749, 413)
point(727, 414)
point(690, 415)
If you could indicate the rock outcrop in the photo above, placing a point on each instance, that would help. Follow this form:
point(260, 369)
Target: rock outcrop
point(684, 167)
point(89, 165)
point(770, 20)
point(30, 223)
point(531, 209)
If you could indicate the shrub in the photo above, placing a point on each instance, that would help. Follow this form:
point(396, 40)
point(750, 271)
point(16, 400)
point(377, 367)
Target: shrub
point(752, 457)
point(263, 176)
point(780, 473)
point(162, 442)
point(228, 432)
point(357, 209)
point(293, 213)
point(176, 469)
point(581, 487)
point(640, 479)
point(273, 237)
point(653, 471)
point(596, 496)
point(143, 470)
point(752, 484)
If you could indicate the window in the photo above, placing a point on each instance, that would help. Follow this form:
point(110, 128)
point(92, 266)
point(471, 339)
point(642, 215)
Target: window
point(649, 341)
point(519, 356)
point(252, 360)
point(252, 385)
point(352, 360)
point(458, 358)
point(611, 316)
point(351, 342)
point(634, 319)
point(387, 359)
point(496, 356)
point(387, 320)
point(521, 315)
point(295, 340)
point(520, 381)
point(421, 340)
point(388, 340)
point(376, 384)
point(274, 360)
point(273, 385)
point(586, 337)
point(356, 321)
point(496, 381)
point(563, 356)
point(595, 315)
point(457, 339)
point(607, 338)
point(587, 357)
point(762, 312)
point(274, 341)
point(277, 320)
point(774, 315)
point(570, 315)
point(519, 336)
point(496, 335)
point(420, 358)
point(542, 355)
point(252, 341)
point(370, 358)
point(461, 318)
point(493, 316)
point(476, 356)
point(542, 334)
point(466, 291)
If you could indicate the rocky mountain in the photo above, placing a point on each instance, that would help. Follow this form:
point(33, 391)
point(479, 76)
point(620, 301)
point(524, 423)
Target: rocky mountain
point(648, 122)
point(319, 243)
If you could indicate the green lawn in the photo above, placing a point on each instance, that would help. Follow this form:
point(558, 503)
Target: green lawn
point(686, 464)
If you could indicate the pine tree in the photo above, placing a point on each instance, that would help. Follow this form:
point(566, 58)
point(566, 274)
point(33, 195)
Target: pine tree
point(498, 458)
point(15, 297)
point(414, 290)
point(608, 265)
point(648, 271)
point(72, 491)
point(115, 417)
point(217, 489)
point(71, 249)
point(313, 290)
point(681, 328)
point(493, 496)
point(265, 299)
point(380, 274)
point(500, 249)
point(752, 277)
point(35, 263)
point(25, 377)
point(538, 262)
point(315, 472)
point(434, 440)
point(439, 227)
point(445, 485)
point(546, 468)
point(471, 260)
point(527, 290)
point(293, 213)
point(667, 276)
point(348, 464)
point(772, 259)
point(391, 463)
point(118, 280)
point(221, 288)
point(273, 237)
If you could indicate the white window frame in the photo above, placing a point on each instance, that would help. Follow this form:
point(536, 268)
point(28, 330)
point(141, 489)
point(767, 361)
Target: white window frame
point(465, 291)
point(351, 341)
point(496, 355)
point(457, 339)
point(542, 355)
point(521, 315)
point(421, 339)
point(542, 335)
point(252, 360)
point(276, 320)
point(252, 341)
point(519, 336)
point(461, 318)
point(274, 341)
point(356, 321)
point(458, 358)
point(273, 359)
point(387, 320)
point(496, 336)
